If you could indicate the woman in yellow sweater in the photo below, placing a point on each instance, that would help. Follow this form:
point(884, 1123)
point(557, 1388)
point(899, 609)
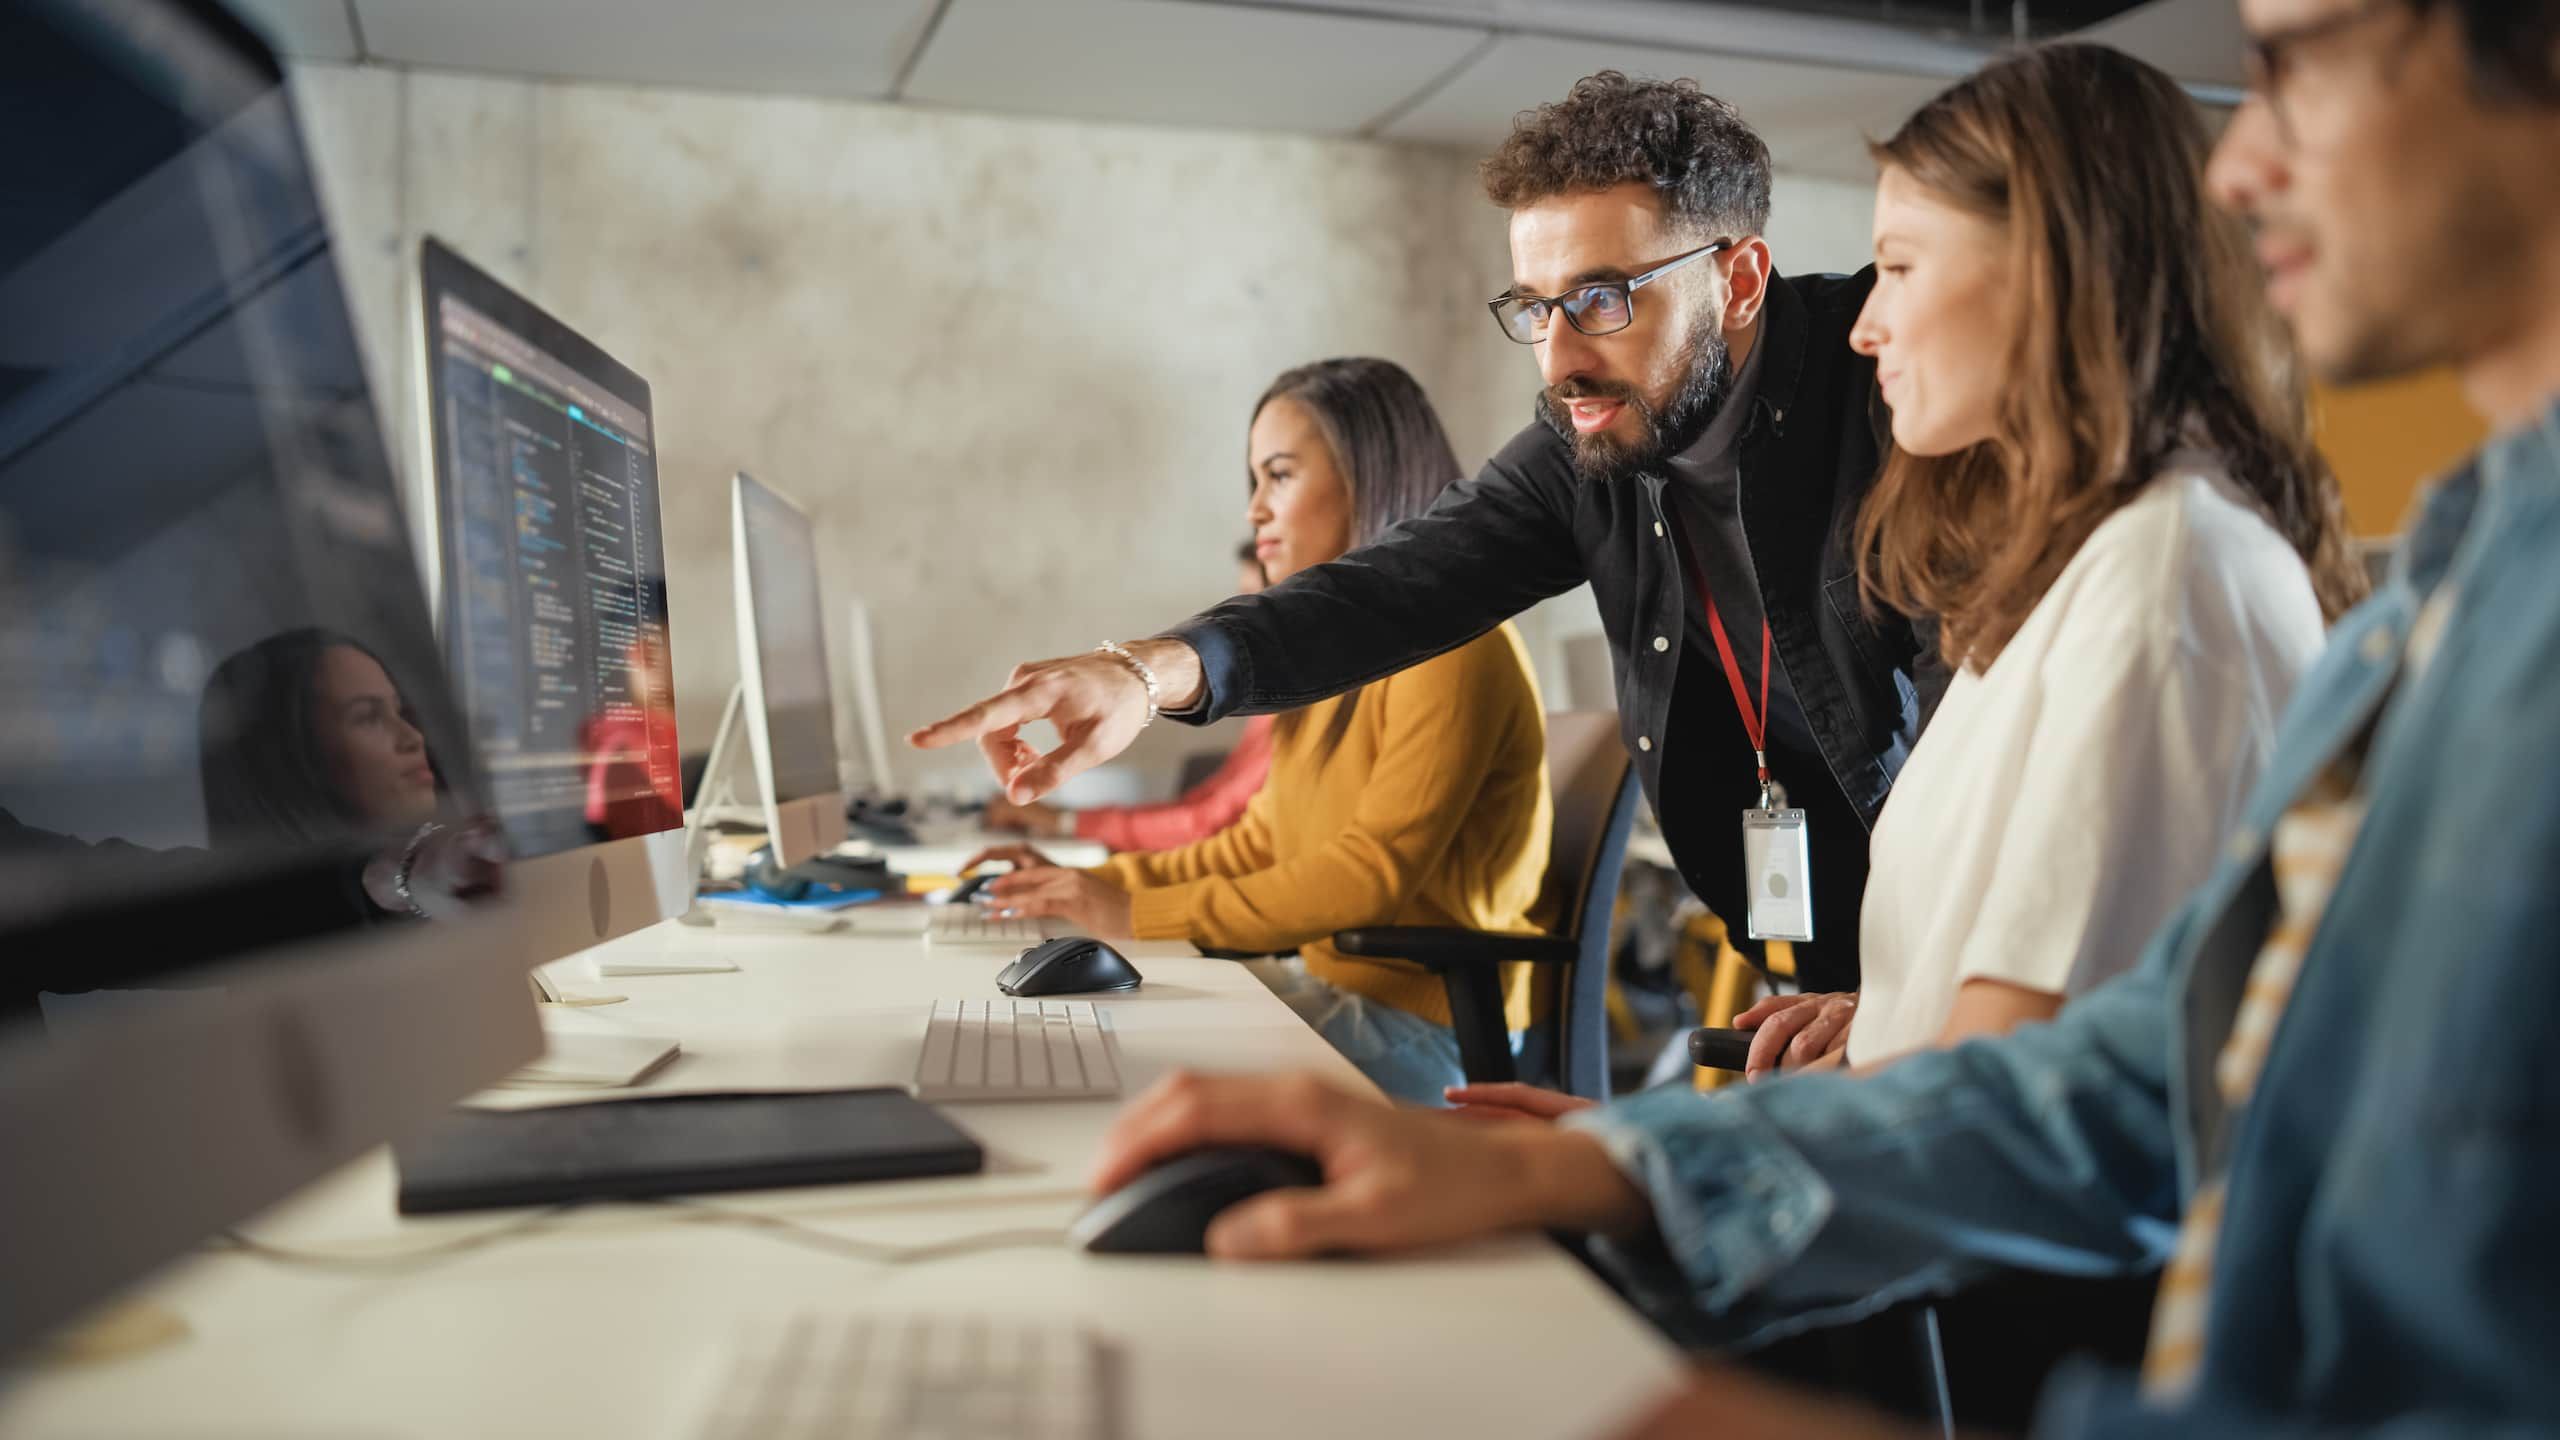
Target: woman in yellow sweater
point(1418, 800)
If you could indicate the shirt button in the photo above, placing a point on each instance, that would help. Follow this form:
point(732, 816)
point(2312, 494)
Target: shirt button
point(1657, 527)
point(1661, 643)
point(2244, 844)
point(2377, 645)
point(1644, 742)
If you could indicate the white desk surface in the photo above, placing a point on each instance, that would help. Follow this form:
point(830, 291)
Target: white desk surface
point(611, 1320)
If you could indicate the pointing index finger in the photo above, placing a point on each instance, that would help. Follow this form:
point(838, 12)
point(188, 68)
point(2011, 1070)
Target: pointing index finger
point(1016, 705)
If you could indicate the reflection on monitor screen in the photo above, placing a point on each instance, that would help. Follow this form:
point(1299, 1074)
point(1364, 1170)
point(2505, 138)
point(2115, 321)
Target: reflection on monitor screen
point(233, 785)
point(219, 693)
point(554, 569)
point(789, 637)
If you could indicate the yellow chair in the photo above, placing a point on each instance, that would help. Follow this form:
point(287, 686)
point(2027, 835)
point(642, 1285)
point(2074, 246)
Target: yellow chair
point(1719, 980)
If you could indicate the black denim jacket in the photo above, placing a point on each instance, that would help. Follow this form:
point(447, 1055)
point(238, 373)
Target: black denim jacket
point(1527, 527)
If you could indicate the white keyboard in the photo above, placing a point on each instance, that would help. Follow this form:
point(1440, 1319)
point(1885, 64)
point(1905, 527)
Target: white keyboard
point(868, 1377)
point(1016, 1050)
point(968, 925)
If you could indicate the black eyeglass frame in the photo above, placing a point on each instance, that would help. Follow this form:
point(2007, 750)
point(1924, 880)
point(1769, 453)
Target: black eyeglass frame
point(1579, 298)
point(2270, 55)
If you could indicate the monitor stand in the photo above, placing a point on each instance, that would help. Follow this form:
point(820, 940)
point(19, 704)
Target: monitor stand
point(718, 799)
point(718, 793)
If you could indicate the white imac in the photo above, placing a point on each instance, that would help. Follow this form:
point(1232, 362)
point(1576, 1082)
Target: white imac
point(862, 680)
point(223, 717)
point(539, 502)
point(782, 672)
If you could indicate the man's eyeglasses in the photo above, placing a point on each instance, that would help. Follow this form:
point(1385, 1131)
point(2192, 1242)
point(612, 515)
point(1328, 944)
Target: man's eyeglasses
point(1602, 308)
point(2272, 56)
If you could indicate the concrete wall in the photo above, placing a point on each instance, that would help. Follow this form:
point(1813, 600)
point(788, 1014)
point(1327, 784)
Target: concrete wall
point(1007, 362)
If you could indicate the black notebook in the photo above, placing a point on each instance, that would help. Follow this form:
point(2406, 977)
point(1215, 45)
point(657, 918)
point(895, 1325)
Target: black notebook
point(676, 1145)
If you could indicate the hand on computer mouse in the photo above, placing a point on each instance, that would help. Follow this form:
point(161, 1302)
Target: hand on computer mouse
point(1394, 1179)
point(1091, 904)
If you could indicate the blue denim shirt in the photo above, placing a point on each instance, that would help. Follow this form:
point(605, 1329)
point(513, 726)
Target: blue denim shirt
point(2389, 1259)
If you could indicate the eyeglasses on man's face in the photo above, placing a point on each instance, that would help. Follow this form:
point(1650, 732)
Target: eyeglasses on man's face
point(1604, 307)
point(2275, 58)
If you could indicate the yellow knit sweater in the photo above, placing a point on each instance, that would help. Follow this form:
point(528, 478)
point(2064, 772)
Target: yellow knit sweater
point(1432, 809)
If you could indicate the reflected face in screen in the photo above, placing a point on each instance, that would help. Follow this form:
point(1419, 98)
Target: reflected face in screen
point(373, 753)
point(307, 736)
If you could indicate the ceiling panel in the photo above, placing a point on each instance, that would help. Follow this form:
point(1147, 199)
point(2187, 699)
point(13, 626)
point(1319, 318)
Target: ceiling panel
point(2196, 40)
point(1815, 118)
point(1168, 62)
point(849, 48)
point(304, 29)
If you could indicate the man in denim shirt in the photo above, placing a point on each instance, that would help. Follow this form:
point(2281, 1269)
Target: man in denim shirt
point(2361, 1211)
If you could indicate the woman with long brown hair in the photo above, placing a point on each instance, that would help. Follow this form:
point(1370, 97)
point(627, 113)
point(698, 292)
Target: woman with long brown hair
point(2102, 485)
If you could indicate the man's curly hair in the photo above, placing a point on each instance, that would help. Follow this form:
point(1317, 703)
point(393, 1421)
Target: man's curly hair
point(1710, 169)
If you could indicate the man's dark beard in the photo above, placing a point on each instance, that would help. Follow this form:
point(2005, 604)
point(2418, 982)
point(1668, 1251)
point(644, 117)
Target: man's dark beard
point(1694, 406)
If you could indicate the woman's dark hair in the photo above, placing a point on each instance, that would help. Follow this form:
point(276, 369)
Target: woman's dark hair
point(2146, 330)
point(265, 783)
point(1388, 446)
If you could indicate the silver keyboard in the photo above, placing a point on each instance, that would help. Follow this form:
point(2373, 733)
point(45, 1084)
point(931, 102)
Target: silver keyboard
point(1016, 1050)
point(867, 1377)
point(968, 925)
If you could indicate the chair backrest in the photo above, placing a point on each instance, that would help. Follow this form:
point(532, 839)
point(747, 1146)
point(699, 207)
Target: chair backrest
point(1590, 672)
point(1594, 786)
point(1197, 767)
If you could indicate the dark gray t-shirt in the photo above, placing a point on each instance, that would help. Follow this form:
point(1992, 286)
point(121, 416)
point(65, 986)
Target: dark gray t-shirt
point(1706, 489)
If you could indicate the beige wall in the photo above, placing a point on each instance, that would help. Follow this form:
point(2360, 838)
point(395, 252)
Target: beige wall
point(1006, 361)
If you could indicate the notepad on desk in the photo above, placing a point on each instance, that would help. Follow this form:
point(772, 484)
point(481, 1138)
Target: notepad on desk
point(595, 1061)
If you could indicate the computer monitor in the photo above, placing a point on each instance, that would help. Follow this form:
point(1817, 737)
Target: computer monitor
point(782, 672)
point(540, 510)
point(862, 684)
point(223, 720)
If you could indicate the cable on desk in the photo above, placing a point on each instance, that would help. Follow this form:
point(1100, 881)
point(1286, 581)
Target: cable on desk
point(793, 1232)
point(691, 1211)
point(393, 1259)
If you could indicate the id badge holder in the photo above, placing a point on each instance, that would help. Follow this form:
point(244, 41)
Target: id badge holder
point(1777, 866)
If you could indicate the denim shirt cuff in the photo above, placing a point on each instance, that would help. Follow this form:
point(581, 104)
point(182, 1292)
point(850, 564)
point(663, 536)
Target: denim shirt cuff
point(1224, 673)
point(1733, 1203)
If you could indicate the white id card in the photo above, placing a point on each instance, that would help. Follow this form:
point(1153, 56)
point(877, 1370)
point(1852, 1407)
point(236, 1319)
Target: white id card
point(1777, 866)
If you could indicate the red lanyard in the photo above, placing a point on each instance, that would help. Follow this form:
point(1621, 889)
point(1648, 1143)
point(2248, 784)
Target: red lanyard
point(1755, 723)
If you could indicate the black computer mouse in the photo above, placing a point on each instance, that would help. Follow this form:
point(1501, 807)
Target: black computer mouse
point(1073, 965)
point(1167, 1210)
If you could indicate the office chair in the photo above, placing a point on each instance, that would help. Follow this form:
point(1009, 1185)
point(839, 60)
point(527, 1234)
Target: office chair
point(1568, 1046)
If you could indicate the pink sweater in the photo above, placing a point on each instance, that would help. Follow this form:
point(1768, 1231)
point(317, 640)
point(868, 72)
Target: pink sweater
point(1204, 809)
